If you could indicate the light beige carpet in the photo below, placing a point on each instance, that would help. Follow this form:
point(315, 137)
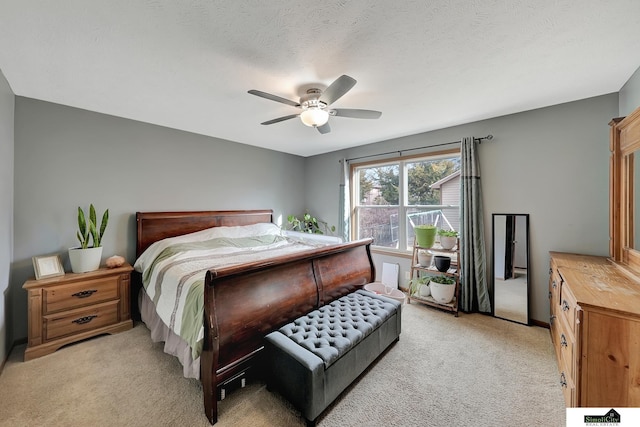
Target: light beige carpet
point(473, 370)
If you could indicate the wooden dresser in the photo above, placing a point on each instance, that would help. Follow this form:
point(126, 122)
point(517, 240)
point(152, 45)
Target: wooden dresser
point(595, 329)
point(73, 307)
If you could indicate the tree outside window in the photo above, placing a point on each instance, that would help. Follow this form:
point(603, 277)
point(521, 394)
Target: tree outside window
point(396, 195)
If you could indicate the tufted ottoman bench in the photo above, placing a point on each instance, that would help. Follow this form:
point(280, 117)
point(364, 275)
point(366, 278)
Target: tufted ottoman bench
point(311, 360)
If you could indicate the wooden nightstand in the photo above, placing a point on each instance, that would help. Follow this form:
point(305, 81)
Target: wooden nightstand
point(76, 306)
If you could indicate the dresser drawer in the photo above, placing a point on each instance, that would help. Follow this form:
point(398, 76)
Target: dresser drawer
point(554, 326)
point(568, 390)
point(568, 307)
point(554, 284)
point(80, 320)
point(564, 343)
point(73, 295)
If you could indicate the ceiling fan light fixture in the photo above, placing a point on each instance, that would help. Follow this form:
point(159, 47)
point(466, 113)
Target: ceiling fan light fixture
point(314, 117)
point(316, 105)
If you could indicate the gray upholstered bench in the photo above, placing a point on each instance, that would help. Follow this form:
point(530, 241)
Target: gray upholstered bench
point(311, 360)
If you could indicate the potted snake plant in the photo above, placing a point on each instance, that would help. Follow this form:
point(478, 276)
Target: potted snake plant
point(86, 258)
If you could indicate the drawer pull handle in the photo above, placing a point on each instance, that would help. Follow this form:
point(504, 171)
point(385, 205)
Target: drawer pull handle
point(563, 380)
point(85, 319)
point(565, 305)
point(554, 284)
point(550, 294)
point(84, 294)
point(550, 271)
point(552, 318)
point(563, 341)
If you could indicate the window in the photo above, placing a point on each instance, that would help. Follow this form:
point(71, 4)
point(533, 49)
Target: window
point(391, 196)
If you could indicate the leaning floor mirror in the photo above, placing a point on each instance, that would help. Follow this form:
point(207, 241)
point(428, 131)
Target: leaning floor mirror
point(511, 267)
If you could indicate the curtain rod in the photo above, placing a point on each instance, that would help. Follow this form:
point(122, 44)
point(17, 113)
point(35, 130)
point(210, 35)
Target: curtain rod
point(488, 138)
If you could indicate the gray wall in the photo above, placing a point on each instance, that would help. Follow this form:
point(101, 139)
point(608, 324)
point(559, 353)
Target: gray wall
point(552, 163)
point(67, 157)
point(6, 211)
point(630, 94)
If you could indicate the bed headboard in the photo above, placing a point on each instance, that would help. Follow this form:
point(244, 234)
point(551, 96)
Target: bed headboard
point(154, 226)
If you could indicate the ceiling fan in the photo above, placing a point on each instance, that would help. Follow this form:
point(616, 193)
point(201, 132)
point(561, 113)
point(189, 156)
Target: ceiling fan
point(315, 105)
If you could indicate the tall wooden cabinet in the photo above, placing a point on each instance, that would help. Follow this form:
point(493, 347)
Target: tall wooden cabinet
point(595, 329)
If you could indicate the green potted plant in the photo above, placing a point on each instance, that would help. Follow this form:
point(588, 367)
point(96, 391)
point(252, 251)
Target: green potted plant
point(309, 224)
point(420, 286)
point(442, 288)
point(425, 235)
point(87, 258)
point(448, 238)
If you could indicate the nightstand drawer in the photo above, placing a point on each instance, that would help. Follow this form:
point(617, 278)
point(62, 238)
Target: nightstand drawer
point(80, 320)
point(64, 297)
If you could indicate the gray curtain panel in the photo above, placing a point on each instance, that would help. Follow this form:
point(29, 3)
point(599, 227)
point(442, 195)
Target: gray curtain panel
point(475, 291)
point(345, 203)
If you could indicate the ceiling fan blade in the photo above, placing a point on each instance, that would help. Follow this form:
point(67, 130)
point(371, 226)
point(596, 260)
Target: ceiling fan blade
point(356, 113)
point(339, 87)
point(325, 128)
point(273, 97)
point(279, 119)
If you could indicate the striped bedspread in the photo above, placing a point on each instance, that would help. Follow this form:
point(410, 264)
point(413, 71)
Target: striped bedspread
point(173, 269)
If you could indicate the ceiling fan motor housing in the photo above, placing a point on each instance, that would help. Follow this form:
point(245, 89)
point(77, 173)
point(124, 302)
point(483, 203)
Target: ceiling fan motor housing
point(311, 99)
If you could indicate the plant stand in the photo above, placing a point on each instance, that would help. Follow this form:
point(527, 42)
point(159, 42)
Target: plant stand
point(454, 271)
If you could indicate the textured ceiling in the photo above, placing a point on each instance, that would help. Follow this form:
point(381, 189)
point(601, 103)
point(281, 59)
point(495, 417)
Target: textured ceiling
point(425, 64)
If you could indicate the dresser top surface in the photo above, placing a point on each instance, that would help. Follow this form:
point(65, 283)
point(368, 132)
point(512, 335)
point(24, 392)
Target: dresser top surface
point(598, 282)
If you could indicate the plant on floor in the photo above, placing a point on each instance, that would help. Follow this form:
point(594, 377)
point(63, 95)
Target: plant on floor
point(309, 224)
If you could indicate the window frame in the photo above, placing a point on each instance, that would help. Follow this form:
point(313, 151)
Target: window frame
point(403, 195)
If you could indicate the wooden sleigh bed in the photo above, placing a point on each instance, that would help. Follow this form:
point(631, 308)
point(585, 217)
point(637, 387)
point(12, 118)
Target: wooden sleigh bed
point(245, 302)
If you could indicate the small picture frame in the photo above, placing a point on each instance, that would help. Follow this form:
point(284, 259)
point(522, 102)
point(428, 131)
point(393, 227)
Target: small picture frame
point(47, 266)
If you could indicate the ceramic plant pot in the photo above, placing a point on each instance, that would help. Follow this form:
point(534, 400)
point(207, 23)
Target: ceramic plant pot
point(424, 290)
point(424, 258)
point(448, 242)
point(84, 260)
point(442, 293)
point(442, 262)
point(425, 235)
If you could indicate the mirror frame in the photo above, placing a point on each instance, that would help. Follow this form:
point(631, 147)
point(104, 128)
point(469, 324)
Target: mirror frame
point(623, 143)
point(493, 264)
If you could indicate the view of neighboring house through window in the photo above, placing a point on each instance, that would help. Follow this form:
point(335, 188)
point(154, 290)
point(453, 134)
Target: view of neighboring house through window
point(392, 196)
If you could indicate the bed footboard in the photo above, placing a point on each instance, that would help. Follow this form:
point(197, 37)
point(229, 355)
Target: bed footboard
point(245, 303)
